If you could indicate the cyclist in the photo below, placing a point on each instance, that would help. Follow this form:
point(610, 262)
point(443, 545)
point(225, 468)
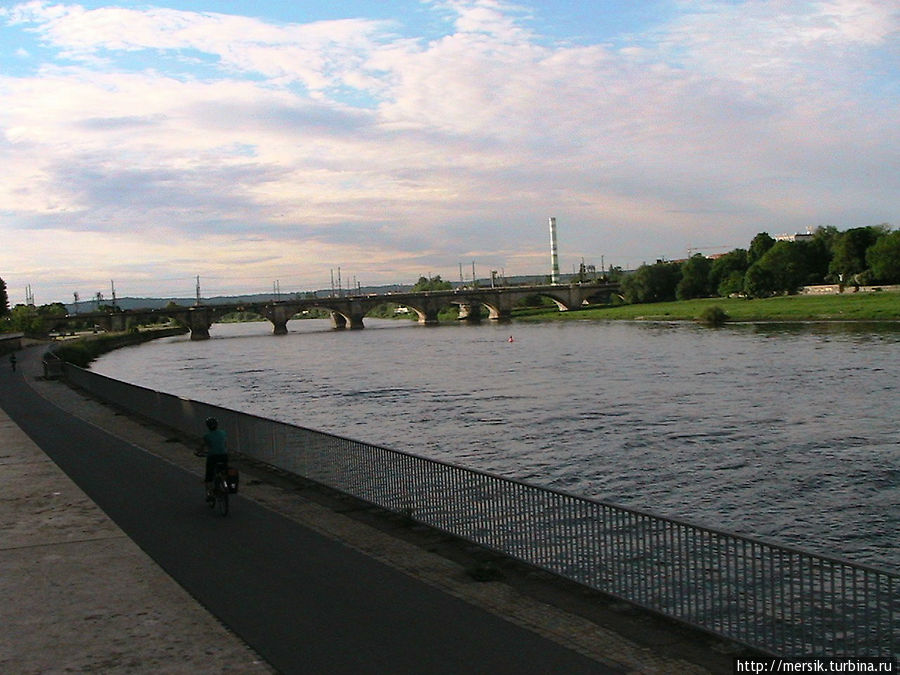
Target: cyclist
point(214, 447)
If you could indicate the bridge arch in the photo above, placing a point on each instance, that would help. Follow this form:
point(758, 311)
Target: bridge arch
point(427, 308)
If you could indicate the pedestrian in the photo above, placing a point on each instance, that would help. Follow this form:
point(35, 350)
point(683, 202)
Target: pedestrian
point(12, 361)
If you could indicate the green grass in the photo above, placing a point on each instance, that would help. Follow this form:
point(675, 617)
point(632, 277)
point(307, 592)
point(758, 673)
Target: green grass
point(876, 306)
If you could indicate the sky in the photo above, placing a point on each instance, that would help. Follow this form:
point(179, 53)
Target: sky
point(264, 143)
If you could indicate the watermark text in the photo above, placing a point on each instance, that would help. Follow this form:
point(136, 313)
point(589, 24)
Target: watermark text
point(815, 665)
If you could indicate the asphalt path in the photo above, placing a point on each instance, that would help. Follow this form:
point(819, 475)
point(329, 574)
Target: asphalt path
point(304, 602)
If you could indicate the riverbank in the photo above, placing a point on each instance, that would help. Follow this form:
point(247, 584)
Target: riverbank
point(82, 350)
point(874, 306)
point(600, 627)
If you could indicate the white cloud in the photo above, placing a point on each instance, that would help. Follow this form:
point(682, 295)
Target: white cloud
point(344, 140)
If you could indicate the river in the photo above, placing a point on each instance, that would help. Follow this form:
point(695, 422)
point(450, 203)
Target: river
point(785, 431)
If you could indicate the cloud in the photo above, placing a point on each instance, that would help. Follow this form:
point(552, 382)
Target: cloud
point(349, 142)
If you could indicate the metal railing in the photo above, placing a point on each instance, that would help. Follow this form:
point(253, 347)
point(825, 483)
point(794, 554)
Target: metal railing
point(779, 599)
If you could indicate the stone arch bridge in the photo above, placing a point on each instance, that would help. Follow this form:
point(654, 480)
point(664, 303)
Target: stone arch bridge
point(348, 311)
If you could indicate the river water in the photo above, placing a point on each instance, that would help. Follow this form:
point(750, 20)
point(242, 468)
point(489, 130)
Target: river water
point(783, 431)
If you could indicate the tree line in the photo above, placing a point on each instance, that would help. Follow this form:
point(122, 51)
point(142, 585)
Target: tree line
point(859, 256)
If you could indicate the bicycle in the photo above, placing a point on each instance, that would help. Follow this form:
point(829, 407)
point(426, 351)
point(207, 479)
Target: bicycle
point(220, 490)
point(217, 496)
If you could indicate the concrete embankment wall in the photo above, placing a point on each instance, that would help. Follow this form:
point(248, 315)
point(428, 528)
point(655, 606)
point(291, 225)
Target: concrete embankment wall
point(837, 289)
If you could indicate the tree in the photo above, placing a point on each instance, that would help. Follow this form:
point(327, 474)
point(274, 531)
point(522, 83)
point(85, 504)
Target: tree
point(726, 275)
point(759, 246)
point(694, 281)
point(432, 284)
point(652, 283)
point(757, 282)
point(783, 269)
point(883, 258)
point(4, 299)
point(25, 319)
point(848, 251)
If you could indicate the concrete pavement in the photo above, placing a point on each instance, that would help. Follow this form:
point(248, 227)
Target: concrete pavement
point(80, 596)
point(88, 599)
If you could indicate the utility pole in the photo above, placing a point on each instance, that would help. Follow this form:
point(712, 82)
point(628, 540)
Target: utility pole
point(198, 290)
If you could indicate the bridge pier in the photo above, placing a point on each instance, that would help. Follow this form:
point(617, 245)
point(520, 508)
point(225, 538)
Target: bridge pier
point(428, 317)
point(338, 321)
point(470, 313)
point(500, 315)
point(199, 319)
point(342, 322)
point(427, 308)
point(279, 315)
point(117, 323)
point(347, 313)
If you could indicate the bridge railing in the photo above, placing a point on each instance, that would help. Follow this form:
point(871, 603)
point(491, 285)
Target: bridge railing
point(778, 599)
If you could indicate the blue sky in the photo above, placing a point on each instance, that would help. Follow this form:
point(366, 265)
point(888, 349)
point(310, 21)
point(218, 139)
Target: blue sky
point(252, 142)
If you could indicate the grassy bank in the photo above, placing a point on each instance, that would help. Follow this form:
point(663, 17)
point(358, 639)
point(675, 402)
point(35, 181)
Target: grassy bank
point(81, 351)
point(884, 306)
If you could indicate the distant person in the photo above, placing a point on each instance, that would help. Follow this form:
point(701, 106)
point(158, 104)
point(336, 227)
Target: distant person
point(215, 450)
point(12, 361)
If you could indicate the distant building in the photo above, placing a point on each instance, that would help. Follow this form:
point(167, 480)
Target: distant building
point(797, 236)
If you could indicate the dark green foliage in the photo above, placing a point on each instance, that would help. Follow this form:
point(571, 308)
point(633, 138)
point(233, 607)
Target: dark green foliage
point(695, 282)
point(76, 352)
point(884, 258)
point(848, 251)
point(726, 275)
point(432, 284)
point(713, 316)
point(784, 268)
point(760, 245)
point(4, 299)
point(862, 255)
point(32, 320)
point(535, 301)
point(652, 283)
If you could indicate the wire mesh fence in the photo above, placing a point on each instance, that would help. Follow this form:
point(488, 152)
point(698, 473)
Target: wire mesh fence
point(779, 599)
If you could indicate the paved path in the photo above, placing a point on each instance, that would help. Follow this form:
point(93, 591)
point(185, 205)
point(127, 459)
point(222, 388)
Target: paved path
point(78, 594)
point(305, 602)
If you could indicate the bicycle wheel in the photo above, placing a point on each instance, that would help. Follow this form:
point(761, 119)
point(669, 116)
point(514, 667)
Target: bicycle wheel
point(221, 490)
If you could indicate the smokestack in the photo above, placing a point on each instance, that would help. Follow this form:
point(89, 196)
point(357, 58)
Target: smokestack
point(554, 260)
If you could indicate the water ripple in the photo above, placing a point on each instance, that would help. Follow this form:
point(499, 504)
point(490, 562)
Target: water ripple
point(778, 432)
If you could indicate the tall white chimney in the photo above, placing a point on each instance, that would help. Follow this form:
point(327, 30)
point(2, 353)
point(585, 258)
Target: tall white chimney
point(554, 260)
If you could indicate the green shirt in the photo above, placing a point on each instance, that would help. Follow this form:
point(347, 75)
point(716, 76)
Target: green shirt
point(215, 442)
